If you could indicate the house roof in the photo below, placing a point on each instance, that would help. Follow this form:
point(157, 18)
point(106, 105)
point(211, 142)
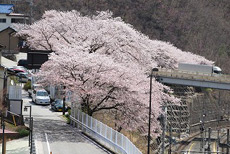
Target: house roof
point(6, 8)
point(17, 15)
point(7, 29)
point(15, 27)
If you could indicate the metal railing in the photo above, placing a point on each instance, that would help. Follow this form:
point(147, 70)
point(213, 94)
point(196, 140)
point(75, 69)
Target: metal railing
point(14, 118)
point(105, 135)
point(193, 75)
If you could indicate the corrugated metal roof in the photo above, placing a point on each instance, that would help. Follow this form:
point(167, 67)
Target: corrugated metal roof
point(6, 8)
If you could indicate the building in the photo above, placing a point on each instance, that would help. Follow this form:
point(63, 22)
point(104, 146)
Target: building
point(8, 17)
point(8, 28)
point(9, 41)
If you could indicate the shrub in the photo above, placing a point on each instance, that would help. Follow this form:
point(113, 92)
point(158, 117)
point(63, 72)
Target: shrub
point(67, 116)
point(27, 85)
point(23, 131)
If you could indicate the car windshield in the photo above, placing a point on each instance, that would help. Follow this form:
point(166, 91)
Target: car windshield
point(59, 102)
point(42, 93)
point(37, 86)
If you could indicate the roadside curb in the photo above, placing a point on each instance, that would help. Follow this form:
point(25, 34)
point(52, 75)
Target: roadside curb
point(97, 142)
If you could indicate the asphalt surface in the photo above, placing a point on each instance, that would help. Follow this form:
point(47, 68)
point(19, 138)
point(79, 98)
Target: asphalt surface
point(53, 134)
point(195, 146)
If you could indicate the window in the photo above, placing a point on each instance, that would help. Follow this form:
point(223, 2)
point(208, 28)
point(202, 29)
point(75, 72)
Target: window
point(17, 20)
point(2, 20)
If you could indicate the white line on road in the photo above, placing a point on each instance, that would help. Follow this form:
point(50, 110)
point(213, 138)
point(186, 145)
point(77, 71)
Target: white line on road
point(190, 148)
point(47, 142)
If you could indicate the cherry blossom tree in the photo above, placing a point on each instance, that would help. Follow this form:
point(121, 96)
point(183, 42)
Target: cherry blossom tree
point(106, 63)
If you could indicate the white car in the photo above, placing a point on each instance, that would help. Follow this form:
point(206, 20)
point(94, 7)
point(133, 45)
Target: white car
point(40, 96)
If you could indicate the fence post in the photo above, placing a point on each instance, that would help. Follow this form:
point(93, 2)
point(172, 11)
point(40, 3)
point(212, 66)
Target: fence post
point(91, 125)
point(106, 132)
point(100, 128)
point(78, 112)
point(126, 144)
point(86, 122)
point(71, 121)
point(116, 139)
point(111, 134)
point(96, 125)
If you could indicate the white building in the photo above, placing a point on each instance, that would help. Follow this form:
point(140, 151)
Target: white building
point(7, 16)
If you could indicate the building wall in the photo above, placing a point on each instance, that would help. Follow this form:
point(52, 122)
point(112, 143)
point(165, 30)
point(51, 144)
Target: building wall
point(0, 56)
point(6, 24)
point(8, 18)
point(1, 84)
point(9, 40)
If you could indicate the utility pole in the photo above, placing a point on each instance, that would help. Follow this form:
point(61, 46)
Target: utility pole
point(218, 125)
point(180, 123)
point(3, 138)
point(164, 124)
point(202, 129)
point(4, 111)
point(170, 141)
point(150, 108)
point(31, 137)
point(31, 10)
point(227, 141)
point(209, 140)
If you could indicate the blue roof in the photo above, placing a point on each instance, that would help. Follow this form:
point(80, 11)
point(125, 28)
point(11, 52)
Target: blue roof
point(6, 8)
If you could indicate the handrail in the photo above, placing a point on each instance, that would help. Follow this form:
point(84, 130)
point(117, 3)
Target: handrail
point(13, 113)
point(193, 75)
point(121, 148)
point(114, 144)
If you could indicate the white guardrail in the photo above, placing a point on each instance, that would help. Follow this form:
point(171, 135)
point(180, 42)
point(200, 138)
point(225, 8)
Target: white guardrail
point(105, 135)
point(193, 75)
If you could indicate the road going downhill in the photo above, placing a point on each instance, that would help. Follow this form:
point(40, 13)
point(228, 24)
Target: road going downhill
point(52, 134)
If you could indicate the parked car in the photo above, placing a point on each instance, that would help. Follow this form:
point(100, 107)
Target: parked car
point(23, 62)
point(24, 76)
point(18, 69)
point(57, 105)
point(40, 96)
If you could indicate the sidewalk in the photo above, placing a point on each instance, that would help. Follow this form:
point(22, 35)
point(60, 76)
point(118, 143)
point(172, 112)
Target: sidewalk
point(17, 146)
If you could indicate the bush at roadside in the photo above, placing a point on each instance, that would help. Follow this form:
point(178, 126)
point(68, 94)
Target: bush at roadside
point(23, 131)
point(27, 85)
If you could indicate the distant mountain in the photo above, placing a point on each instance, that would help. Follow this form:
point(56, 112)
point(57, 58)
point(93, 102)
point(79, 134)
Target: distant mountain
point(201, 27)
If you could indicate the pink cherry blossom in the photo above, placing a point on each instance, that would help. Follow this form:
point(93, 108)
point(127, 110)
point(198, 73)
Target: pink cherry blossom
point(105, 62)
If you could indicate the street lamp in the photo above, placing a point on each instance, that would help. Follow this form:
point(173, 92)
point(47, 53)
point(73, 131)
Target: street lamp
point(150, 106)
point(30, 136)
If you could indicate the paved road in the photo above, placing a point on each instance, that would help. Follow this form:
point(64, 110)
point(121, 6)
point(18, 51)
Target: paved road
point(52, 134)
point(195, 146)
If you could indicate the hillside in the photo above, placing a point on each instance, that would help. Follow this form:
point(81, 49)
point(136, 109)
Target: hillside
point(201, 27)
